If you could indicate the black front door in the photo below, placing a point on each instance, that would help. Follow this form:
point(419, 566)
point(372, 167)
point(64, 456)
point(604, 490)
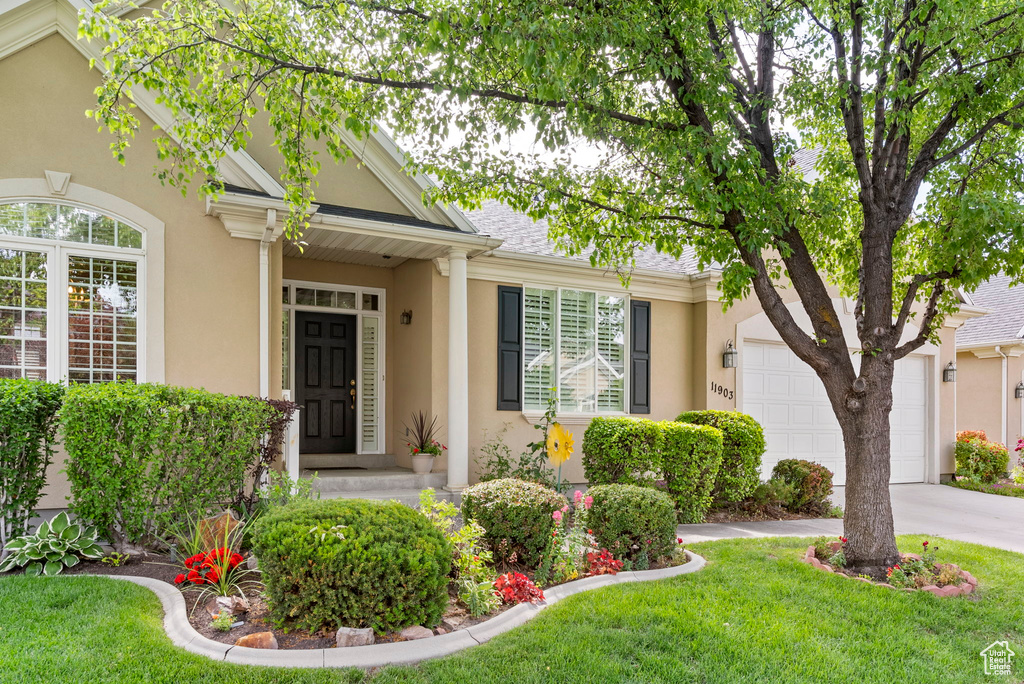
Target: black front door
point(325, 380)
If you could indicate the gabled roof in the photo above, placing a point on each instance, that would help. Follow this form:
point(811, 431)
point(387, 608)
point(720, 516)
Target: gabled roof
point(1005, 323)
point(354, 212)
point(523, 235)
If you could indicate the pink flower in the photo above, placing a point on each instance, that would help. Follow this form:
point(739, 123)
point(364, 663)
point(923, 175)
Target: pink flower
point(565, 509)
point(588, 502)
point(577, 497)
point(557, 515)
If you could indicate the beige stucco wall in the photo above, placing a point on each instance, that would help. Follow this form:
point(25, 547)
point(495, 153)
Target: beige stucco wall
point(210, 289)
point(979, 383)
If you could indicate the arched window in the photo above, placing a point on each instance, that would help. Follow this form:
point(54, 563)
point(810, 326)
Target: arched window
point(71, 287)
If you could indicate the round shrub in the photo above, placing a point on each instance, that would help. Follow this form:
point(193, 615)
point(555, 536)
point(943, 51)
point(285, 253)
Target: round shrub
point(743, 446)
point(979, 460)
point(516, 516)
point(691, 456)
point(632, 522)
point(621, 451)
point(352, 563)
point(812, 482)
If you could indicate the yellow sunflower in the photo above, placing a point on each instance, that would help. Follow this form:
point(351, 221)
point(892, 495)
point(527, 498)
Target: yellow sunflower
point(560, 444)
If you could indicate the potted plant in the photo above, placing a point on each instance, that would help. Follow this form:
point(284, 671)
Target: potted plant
point(423, 446)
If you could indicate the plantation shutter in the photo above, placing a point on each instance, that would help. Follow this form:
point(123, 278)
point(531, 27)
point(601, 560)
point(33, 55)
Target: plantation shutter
point(538, 347)
point(510, 348)
point(639, 357)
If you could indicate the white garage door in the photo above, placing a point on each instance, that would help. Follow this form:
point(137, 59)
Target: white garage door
point(783, 394)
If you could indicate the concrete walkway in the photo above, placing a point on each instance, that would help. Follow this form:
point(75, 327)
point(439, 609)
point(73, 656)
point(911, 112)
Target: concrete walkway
point(917, 508)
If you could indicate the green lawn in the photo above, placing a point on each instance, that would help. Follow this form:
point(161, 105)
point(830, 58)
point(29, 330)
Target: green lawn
point(755, 614)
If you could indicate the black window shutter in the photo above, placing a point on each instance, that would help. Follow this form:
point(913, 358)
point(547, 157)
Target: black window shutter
point(639, 357)
point(510, 348)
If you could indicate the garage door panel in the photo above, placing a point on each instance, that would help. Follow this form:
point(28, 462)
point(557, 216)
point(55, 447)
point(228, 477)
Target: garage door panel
point(786, 397)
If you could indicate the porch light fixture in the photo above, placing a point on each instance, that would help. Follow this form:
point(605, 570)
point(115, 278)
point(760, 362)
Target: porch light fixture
point(730, 356)
point(405, 318)
point(1018, 391)
point(949, 373)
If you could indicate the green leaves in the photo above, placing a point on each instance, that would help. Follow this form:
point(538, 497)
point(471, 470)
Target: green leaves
point(143, 456)
point(28, 423)
point(56, 544)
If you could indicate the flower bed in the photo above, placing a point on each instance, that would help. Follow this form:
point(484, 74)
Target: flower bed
point(916, 572)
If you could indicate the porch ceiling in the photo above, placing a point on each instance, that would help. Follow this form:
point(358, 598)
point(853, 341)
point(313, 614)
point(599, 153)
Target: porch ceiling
point(366, 250)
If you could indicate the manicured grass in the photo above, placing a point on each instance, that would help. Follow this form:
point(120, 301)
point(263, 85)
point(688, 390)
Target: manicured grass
point(755, 614)
point(1000, 488)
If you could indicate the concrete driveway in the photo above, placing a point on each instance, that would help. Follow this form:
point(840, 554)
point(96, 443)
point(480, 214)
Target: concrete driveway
point(917, 509)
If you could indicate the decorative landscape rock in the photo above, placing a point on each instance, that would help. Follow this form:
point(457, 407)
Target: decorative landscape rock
point(235, 604)
point(416, 632)
point(214, 531)
point(349, 636)
point(265, 640)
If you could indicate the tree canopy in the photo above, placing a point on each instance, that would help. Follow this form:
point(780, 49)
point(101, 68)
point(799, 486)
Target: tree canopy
point(691, 112)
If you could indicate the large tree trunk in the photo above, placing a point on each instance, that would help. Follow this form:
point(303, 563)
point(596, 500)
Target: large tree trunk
point(864, 419)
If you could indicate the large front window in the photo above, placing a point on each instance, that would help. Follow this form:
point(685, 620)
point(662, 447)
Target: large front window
point(69, 294)
point(575, 341)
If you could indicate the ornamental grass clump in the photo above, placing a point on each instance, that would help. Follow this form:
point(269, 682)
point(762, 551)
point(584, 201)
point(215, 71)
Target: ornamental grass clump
point(352, 563)
point(516, 517)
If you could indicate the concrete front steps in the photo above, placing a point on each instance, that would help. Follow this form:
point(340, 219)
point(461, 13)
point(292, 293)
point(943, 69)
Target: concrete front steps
point(348, 476)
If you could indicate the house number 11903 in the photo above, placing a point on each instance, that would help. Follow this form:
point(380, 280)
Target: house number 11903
point(727, 393)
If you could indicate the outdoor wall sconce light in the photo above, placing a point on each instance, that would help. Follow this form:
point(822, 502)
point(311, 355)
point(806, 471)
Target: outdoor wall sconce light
point(1018, 391)
point(405, 318)
point(949, 373)
point(730, 356)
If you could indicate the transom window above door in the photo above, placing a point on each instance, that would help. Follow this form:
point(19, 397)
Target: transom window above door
point(70, 294)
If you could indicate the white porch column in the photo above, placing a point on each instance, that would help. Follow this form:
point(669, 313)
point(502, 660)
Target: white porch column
point(458, 372)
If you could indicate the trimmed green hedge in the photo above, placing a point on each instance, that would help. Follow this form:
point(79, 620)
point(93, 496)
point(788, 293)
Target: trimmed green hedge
point(691, 456)
point(516, 516)
point(143, 456)
point(352, 563)
point(28, 424)
point(634, 523)
point(742, 449)
point(622, 451)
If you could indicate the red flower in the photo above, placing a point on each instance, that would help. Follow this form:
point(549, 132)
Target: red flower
point(842, 539)
point(924, 544)
point(236, 560)
point(679, 540)
point(179, 579)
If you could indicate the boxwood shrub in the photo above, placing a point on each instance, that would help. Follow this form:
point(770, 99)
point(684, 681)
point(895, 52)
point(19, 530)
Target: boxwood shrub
point(352, 563)
point(632, 522)
point(516, 516)
point(142, 456)
point(28, 423)
point(979, 460)
point(742, 449)
point(691, 456)
point(812, 482)
point(622, 451)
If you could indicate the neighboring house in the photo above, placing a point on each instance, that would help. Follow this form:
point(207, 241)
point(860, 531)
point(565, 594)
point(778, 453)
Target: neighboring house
point(388, 308)
point(990, 364)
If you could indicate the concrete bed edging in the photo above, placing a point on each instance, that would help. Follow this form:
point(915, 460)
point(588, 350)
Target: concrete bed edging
point(182, 634)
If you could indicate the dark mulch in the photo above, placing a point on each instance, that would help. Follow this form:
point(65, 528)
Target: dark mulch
point(748, 511)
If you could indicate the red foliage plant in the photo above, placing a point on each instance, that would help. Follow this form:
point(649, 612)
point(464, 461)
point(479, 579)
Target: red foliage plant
point(603, 563)
point(206, 568)
point(515, 587)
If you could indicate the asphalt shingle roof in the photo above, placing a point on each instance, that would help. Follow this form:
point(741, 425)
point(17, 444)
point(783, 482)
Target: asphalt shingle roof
point(1007, 317)
point(523, 235)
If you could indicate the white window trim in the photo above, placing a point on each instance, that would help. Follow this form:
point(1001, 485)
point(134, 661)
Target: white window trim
point(578, 417)
point(150, 278)
point(290, 308)
point(57, 254)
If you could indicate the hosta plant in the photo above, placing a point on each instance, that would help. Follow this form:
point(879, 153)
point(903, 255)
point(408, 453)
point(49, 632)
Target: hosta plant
point(56, 545)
